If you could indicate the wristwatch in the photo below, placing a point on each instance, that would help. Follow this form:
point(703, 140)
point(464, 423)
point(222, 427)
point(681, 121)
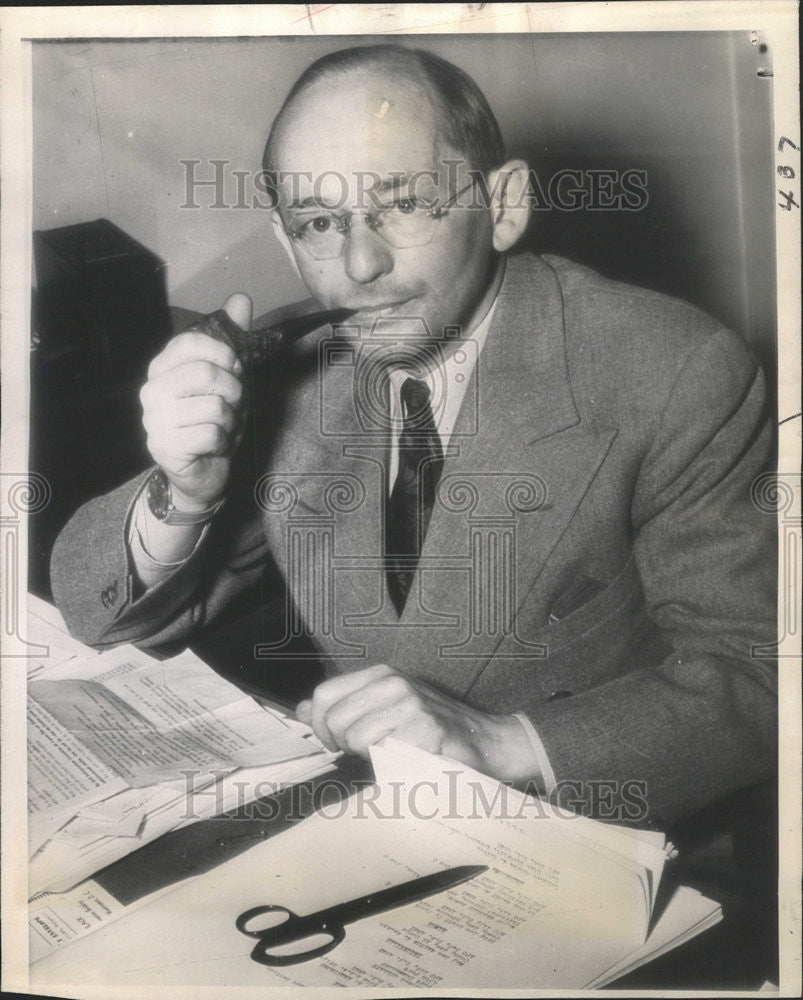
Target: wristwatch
point(160, 503)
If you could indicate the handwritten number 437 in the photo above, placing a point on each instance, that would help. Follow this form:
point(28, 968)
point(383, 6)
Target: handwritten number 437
point(789, 174)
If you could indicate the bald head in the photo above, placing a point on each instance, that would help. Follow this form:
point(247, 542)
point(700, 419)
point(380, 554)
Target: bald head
point(387, 82)
point(369, 120)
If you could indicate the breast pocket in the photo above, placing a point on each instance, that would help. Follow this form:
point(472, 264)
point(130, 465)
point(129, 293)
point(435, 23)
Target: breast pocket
point(586, 647)
point(584, 605)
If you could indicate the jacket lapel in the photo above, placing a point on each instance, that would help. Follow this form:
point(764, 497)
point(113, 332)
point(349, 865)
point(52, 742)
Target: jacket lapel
point(323, 507)
point(518, 465)
point(515, 474)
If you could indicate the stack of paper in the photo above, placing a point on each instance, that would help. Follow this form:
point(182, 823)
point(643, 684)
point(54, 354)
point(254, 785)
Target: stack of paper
point(565, 903)
point(589, 888)
point(123, 748)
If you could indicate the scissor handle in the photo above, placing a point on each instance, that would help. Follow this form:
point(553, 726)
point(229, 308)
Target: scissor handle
point(295, 928)
point(257, 911)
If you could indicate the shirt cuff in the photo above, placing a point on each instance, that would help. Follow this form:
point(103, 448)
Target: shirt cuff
point(547, 774)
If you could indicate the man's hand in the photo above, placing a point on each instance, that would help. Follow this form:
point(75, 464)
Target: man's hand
point(353, 711)
point(192, 411)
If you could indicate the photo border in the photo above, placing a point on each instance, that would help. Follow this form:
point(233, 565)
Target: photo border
point(777, 21)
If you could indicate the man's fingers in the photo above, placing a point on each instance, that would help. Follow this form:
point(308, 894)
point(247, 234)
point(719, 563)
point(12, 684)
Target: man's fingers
point(383, 695)
point(194, 378)
point(174, 452)
point(189, 411)
point(239, 308)
point(193, 346)
point(354, 711)
point(368, 730)
point(418, 728)
point(334, 690)
point(375, 698)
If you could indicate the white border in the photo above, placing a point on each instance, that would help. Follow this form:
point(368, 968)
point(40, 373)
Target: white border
point(778, 23)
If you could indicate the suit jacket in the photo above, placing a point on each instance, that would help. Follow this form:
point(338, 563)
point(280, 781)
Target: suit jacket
point(594, 558)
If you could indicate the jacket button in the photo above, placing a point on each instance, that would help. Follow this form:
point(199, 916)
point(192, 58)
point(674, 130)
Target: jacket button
point(109, 595)
point(559, 694)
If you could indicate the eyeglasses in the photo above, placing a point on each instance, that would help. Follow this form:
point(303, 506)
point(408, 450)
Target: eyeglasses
point(403, 223)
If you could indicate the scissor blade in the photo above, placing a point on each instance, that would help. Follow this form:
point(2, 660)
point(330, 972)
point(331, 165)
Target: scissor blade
point(398, 895)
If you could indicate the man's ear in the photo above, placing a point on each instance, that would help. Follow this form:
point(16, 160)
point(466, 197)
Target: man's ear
point(281, 235)
point(510, 204)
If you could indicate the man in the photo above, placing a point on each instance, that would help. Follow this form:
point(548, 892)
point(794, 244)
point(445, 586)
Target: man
point(509, 499)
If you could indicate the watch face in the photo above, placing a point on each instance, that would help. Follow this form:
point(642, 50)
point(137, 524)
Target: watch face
point(160, 503)
point(158, 494)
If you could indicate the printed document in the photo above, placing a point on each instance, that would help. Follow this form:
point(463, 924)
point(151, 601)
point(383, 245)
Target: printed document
point(565, 902)
point(123, 748)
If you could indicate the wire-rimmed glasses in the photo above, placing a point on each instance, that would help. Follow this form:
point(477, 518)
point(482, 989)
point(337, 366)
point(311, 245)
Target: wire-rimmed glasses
point(407, 221)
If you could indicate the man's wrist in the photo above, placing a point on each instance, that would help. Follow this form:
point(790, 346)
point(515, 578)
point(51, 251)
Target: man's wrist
point(170, 505)
point(188, 504)
point(158, 547)
point(512, 751)
point(509, 752)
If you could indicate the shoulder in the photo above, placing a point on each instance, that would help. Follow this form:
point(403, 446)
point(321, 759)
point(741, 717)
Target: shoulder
point(628, 343)
point(624, 315)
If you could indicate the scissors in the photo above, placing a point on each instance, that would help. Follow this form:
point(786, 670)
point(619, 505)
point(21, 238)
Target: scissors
point(331, 922)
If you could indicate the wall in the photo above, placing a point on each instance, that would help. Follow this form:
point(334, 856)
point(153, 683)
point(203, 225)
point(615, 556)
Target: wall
point(113, 120)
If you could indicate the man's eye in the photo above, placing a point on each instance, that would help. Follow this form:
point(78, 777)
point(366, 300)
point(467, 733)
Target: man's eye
point(403, 206)
point(313, 225)
point(320, 224)
point(406, 206)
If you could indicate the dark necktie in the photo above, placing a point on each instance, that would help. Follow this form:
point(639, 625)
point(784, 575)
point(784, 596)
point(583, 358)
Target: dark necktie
point(413, 495)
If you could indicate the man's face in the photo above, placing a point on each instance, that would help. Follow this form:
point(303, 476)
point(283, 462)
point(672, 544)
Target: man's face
point(335, 140)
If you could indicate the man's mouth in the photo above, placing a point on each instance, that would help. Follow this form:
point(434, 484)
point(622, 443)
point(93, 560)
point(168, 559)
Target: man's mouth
point(383, 308)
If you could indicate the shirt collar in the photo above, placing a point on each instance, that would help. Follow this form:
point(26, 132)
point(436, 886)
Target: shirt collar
point(447, 381)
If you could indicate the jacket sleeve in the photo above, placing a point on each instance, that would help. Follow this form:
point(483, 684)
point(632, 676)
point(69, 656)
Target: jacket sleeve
point(93, 578)
point(701, 721)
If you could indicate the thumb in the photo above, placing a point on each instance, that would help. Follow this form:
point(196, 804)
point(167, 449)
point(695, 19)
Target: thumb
point(239, 308)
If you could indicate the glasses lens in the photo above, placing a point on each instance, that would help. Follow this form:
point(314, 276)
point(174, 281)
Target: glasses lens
point(406, 223)
point(321, 236)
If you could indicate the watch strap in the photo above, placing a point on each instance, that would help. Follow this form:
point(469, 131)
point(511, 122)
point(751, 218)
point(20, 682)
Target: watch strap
point(160, 503)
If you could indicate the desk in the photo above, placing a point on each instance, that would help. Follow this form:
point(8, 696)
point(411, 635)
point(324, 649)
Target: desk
point(735, 955)
point(740, 953)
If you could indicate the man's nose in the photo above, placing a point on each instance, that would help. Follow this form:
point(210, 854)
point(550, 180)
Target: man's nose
point(366, 255)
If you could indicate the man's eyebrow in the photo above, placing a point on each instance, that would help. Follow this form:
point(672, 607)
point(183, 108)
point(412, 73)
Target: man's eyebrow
point(311, 202)
point(383, 186)
point(391, 183)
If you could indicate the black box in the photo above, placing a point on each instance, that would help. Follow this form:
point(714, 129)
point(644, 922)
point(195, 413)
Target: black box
point(101, 299)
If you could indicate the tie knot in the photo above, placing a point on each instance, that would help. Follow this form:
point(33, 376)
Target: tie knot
point(415, 397)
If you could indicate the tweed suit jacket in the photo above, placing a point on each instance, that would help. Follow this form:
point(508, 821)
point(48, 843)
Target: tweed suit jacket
point(594, 558)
